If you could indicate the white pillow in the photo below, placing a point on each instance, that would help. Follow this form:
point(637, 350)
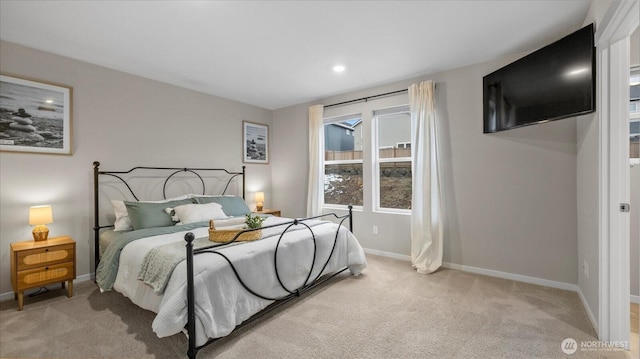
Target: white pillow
point(191, 213)
point(123, 222)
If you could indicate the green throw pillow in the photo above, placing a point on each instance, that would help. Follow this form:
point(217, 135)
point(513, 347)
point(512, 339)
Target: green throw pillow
point(149, 215)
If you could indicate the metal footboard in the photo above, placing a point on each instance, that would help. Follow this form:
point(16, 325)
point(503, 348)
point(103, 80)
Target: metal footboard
point(292, 292)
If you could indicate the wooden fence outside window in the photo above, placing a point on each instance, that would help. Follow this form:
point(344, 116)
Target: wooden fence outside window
point(357, 154)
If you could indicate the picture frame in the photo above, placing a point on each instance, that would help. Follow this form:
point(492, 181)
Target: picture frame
point(35, 116)
point(255, 143)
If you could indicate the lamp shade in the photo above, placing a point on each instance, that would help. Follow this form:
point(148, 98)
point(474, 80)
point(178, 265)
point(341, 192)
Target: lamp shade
point(259, 200)
point(40, 215)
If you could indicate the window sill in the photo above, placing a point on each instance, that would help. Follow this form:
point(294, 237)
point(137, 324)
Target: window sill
point(390, 211)
point(339, 207)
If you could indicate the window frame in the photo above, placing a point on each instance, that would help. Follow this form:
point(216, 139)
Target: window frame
point(376, 160)
point(634, 116)
point(333, 120)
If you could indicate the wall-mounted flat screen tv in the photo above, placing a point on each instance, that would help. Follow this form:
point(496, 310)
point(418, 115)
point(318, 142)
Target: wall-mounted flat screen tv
point(552, 83)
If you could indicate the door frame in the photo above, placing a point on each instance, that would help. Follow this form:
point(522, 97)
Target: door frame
point(612, 56)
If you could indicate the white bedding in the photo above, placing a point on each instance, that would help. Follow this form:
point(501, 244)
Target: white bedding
point(221, 301)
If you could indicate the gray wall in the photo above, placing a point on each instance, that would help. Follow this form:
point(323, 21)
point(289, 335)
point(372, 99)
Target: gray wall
point(122, 121)
point(510, 198)
point(588, 211)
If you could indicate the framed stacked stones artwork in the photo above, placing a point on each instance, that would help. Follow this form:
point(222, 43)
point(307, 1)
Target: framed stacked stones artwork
point(35, 116)
point(256, 143)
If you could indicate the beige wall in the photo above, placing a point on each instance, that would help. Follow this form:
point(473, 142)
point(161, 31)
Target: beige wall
point(122, 121)
point(510, 198)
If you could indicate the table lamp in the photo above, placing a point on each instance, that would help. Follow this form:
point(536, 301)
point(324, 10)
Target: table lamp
point(38, 217)
point(259, 200)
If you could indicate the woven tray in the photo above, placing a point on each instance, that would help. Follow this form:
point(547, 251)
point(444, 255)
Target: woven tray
point(226, 235)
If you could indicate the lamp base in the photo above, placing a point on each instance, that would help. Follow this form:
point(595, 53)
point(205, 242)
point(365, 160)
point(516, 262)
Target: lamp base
point(258, 206)
point(40, 233)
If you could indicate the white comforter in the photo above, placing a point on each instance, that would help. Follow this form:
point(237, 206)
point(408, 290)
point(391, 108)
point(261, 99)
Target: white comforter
point(221, 301)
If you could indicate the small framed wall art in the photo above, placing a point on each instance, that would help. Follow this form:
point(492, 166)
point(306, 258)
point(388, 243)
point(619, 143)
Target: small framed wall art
point(35, 116)
point(255, 139)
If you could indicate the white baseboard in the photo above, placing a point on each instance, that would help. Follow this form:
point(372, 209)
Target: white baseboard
point(635, 299)
point(82, 278)
point(388, 254)
point(516, 277)
point(585, 305)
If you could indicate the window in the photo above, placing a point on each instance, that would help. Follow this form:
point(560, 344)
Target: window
point(343, 160)
point(392, 159)
point(634, 114)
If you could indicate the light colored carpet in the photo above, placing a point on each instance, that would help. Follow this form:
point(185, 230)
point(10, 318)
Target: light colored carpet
point(388, 312)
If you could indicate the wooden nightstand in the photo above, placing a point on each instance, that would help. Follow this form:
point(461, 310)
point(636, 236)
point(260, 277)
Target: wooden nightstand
point(275, 212)
point(34, 264)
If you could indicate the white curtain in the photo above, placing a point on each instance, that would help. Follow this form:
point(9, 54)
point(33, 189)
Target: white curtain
point(315, 193)
point(426, 204)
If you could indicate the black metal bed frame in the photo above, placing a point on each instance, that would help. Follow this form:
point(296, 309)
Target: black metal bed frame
point(118, 174)
point(191, 252)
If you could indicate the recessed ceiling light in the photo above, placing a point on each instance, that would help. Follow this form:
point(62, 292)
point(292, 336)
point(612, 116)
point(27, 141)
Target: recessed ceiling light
point(339, 68)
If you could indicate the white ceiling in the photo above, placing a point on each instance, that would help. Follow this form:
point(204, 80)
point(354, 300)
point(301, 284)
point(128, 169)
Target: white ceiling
point(274, 54)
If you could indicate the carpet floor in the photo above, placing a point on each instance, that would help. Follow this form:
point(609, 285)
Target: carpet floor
point(387, 312)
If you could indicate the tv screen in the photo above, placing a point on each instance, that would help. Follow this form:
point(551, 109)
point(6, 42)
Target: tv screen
point(555, 82)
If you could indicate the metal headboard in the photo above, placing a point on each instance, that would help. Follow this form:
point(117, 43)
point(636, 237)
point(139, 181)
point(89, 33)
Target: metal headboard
point(174, 170)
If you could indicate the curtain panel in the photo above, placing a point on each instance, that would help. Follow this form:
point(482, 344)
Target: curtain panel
point(426, 203)
point(315, 192)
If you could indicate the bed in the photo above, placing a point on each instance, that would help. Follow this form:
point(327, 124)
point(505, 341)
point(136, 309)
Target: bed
point(158, 253)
